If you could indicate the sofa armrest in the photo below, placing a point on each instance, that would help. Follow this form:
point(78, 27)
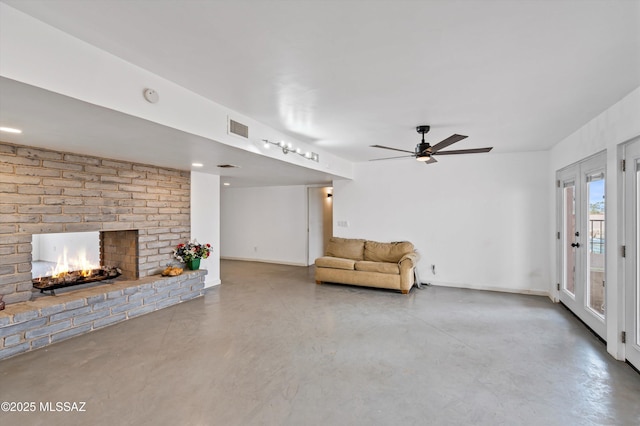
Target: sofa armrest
point(413, 257)
point(407, 264)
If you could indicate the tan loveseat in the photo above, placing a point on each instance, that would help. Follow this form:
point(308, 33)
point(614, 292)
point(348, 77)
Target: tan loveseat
point(368, 263)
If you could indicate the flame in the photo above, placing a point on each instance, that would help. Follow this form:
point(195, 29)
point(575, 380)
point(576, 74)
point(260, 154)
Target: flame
point(65, 266)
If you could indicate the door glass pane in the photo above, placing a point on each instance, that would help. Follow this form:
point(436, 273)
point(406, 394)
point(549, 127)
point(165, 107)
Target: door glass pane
point(596, 243)
point(569, 218)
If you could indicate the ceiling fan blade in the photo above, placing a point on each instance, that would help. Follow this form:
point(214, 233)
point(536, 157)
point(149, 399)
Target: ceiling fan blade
point(446, 142)
point(431, 161)
point(463, 151)
point(388, 147)
point(392, 158)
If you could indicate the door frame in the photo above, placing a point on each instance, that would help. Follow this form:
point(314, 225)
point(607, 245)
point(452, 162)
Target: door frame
point(567, 174)
point(630, 209)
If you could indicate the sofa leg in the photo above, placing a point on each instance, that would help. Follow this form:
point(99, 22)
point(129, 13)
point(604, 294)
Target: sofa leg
point(318, 282)
point(404, 291)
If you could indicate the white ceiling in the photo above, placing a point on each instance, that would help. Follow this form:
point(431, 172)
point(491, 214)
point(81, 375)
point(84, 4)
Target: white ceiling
point(62, 123)
point(343, 75)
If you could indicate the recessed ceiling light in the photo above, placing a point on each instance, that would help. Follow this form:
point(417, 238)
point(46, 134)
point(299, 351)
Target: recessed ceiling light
point(197, 164)
point(226, 184)
point(10, 130)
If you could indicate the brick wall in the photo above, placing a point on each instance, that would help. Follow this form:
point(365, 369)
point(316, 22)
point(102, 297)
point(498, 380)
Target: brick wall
point(120, 249)
point(43, 191)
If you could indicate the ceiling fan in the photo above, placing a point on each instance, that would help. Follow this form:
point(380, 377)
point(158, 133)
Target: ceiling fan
point(425, 152)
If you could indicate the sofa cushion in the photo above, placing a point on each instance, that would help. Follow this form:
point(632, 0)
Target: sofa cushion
point(381, 267)
point(346, 248)
point(335, 263)
point(386, 252)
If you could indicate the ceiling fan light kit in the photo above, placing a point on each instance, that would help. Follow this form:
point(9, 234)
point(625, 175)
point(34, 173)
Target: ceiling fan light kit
point(424, 152)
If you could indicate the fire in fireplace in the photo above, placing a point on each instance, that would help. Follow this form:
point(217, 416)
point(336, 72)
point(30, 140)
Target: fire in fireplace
point(78, 264)
point(77, 277)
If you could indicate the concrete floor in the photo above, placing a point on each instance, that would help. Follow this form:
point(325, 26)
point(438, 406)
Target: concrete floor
point(270, 347)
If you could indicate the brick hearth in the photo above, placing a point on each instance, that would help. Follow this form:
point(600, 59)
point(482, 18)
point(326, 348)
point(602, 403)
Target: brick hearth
point(30, 325)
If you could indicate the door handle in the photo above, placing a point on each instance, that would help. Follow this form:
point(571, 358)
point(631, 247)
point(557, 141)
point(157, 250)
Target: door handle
point(575, 244)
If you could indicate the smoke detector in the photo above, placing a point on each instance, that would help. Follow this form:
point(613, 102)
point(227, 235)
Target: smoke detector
point(151, 95)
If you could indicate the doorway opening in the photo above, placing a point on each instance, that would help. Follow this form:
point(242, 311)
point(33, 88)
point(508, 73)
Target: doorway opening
point(320, 221)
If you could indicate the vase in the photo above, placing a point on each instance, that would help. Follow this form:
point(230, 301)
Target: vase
point(193, 264)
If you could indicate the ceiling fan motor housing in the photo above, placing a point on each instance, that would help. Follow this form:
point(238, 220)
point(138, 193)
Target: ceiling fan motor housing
point(421, 149)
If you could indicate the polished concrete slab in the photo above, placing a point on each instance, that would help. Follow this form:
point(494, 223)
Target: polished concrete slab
point(270, 347)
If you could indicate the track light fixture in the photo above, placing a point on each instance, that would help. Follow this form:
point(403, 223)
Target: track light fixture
point(288, 147)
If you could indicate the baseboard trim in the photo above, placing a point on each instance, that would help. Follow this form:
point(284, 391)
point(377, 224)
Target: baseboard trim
point(212, 283)
point(277, 262)
point(490, 288)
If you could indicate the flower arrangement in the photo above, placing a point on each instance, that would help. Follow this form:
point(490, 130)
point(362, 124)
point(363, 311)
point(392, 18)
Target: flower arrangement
point(192, 250)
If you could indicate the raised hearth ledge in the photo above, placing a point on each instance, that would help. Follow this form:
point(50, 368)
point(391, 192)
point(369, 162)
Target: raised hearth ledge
point(34, 324)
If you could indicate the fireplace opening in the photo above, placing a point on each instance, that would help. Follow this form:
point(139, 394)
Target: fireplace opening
point(54, 253)
point(79, 258)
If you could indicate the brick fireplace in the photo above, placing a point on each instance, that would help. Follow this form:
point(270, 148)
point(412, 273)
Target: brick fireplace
point(135, 205)
point(141, 212)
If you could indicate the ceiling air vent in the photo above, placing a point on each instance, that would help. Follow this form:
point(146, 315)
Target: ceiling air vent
point(238, 129)
point(228, 166)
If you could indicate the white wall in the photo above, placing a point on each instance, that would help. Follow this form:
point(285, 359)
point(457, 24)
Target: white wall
point(618, 124)
point(481, 219)
point(267, 224)
point(205, 221)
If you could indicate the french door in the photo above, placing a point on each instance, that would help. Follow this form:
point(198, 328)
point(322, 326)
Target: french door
point(581, 239)
point(632, 252)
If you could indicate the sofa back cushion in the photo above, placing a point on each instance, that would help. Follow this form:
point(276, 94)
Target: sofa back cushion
point(346, 248)
point(386, 252)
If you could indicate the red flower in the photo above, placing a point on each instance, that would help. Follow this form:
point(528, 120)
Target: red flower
point(185, 252)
